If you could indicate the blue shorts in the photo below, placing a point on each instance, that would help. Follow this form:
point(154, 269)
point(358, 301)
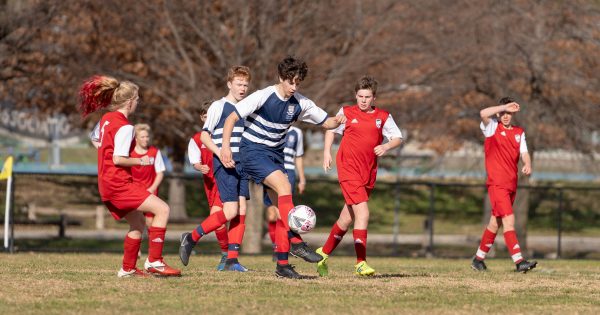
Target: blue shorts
point(291, 174)
point(258, 164)
point(232, 183)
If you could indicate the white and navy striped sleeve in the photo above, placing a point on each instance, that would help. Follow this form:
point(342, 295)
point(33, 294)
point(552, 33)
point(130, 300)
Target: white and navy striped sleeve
point(311, 113)
point(213, 116)
point(252, 102)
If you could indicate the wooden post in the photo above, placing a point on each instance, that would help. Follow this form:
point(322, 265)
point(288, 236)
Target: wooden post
point(254, 220)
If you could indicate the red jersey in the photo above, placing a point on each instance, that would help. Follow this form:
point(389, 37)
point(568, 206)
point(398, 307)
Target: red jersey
point(116, 138)
point(362, 132)
point(502, 149)
point(146, 174)
point(199, 153)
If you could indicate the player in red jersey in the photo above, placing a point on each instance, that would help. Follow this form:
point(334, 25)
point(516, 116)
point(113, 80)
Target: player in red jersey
point(152, 175)
point(201, 159)
point(362, 137)
point(122, 196)
point(503, 145)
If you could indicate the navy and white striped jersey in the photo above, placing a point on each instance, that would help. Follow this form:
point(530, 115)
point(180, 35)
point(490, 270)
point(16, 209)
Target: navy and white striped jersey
point(269, 116)
point(294, 147)
point(215, 120)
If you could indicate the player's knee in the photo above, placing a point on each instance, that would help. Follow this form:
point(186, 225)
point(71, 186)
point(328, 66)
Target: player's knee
point(164, 210)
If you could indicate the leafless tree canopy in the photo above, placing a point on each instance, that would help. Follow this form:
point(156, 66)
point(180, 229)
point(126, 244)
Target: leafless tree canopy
point(437, 62)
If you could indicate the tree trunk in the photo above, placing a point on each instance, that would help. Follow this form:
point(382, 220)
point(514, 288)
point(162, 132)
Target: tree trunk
point(254, 220)
point(177, 194)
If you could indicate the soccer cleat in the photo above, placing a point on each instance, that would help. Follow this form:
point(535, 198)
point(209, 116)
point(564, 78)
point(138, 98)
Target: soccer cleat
point(185, 250)
point(235, 267)
point(131, 273)
point(160, 268)
point(525, 266)
point(287, 271)
point(362, 269)
point(301, 250)
point(322, 267)
point(222, 262)
point(478, 265)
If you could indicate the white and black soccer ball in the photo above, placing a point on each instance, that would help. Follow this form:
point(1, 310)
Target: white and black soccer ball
point(302, 219)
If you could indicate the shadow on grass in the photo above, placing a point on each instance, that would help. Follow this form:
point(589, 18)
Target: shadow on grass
point(400, 275)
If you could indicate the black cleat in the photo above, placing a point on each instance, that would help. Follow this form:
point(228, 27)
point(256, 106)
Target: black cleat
point(301, 250)
point(185, 250)
point(478, 265)
point(525, 266)
point(287, 271)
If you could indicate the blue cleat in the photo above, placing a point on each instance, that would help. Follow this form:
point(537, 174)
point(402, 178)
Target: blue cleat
point(221, 265)
point(234, 265)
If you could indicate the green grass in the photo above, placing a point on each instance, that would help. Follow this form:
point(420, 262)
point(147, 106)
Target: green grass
point(87, 284)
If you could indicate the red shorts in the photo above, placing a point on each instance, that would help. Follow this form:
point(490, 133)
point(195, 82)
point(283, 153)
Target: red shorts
point(501, 200)
point(212, 193)
point(127, 199)
point(355, 192)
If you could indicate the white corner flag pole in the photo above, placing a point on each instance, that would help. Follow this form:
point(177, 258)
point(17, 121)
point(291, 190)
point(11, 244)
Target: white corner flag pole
point(7, 212)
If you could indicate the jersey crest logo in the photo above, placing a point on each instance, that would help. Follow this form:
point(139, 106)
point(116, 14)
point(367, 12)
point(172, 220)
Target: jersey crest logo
point(518, 138)
point(291, 139)
point(290, 112)
point(378, 123)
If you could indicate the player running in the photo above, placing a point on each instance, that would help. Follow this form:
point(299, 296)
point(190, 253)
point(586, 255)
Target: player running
point(233, 187)
point(122, 196)
point(504, 144)
point(269, 113)
point(356, 162)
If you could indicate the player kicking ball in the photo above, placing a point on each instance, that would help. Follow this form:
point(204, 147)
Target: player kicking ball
point(361, 145)
point(503, 145)
point(269, 113)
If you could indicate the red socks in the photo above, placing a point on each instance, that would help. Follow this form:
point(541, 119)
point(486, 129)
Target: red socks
point(156, 241)
point(282, 243)
point(285, 204)
point(487, 240)
point(213, 222)
point(221, 234)
point(335, 237)
point(271, 230)
point(131, 247)
point(360, 244)
point(237, 226)
point(510, 238)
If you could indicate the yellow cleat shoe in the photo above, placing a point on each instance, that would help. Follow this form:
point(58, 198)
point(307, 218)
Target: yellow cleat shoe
point(362, 269)
point(322, 267)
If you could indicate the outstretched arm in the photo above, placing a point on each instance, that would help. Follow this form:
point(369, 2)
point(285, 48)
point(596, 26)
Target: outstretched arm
point(334, 122)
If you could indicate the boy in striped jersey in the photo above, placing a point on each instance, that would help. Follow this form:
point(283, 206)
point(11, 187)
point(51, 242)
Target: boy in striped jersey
point(269, 113)
point(233, 187)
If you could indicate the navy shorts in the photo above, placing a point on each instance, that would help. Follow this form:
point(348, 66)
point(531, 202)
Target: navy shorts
point(291, 174)
point(258, 164)
point(232, 182)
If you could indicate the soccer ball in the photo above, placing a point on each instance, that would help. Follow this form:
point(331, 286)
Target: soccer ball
point(302, 219)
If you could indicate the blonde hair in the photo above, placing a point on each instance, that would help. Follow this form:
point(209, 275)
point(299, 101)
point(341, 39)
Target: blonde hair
point(142, 127)
point(102, 91)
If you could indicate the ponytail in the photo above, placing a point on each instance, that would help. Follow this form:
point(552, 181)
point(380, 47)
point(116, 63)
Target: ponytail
point(96, 93)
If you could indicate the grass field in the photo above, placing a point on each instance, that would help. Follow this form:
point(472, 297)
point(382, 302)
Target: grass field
point(87, 284)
